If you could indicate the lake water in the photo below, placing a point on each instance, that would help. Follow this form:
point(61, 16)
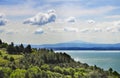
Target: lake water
point(103, 59)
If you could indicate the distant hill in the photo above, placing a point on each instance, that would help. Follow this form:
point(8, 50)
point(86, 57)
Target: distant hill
point(79, 45)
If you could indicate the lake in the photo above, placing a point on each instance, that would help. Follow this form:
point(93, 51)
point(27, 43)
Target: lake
point(103, 59)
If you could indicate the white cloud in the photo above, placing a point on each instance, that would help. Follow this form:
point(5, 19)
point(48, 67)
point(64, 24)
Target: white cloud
point(91, 30)
point(39, 31)
point(113, 29)
point(2, 15)
point(3, 21)
point(42, 18)
point(97, 30)
point(85, 30)
point(71, 29)
point(90, 21)
point(117, 23)
point(71, 19)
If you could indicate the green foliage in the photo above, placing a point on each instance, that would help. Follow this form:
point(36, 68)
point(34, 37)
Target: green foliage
point(5, 57)
point(58, 69)
point(12, 59)
point(33, 72)
point(2, 44)
point(5, 72)
point(45, 67)
point(18, 73)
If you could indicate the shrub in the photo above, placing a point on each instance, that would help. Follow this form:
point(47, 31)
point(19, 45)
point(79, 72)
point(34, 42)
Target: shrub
point(12, 59)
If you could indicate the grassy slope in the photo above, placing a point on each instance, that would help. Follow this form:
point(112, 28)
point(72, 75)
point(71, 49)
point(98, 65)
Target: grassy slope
point(4, 57)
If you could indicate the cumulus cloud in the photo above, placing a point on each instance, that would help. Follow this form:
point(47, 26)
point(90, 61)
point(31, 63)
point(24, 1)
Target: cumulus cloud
point(71, 19)
point(39, 31)
point(90, 21)
point(42, 18)
point(3, 21)
point(70, 29)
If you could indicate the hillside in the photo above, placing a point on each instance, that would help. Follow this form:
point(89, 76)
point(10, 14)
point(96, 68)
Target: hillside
point(45, 63)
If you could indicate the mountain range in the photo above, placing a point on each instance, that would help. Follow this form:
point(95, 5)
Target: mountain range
point(79, 45)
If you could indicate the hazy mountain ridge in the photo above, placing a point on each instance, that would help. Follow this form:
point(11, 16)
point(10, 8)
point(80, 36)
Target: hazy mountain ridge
point(79, 45)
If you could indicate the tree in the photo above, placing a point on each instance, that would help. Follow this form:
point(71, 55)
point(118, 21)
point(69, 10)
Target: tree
point(0, 41)
point(11, 48)
point(116, 73)
point(33, 72)
point(4, 45)
point(12, 59)
point(21, 48)
point(28, 49)
point(110, 70)
point(5, 57)
point(17, 49)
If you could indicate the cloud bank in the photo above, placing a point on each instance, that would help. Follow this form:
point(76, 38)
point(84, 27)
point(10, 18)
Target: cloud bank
point(42, 18)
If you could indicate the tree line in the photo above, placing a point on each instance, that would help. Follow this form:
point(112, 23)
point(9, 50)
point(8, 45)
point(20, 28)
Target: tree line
point(15, 49)
point(18, 49)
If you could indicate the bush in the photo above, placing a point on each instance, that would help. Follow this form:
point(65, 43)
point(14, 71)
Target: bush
point(5, 57)
point(18, 73)
point(12, 59)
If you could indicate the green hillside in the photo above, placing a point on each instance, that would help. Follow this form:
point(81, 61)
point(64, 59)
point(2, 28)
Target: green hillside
point(26, 62)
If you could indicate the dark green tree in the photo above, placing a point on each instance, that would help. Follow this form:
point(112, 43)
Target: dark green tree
point(21, 48)
point(11, 48)
point(28, 49)
point(110, 70)
point(0, 41)
point(17, 49)
point(12, 59)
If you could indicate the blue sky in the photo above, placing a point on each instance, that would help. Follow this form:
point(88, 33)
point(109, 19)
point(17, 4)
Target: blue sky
point(95, 21)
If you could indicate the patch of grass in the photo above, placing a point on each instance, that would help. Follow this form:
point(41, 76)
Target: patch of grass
point(4, 53)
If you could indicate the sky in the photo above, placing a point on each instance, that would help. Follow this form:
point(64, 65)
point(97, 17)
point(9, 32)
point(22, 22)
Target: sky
point(56, 21)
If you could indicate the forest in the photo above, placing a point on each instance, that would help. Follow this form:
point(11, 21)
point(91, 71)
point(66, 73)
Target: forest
point(19, 61)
